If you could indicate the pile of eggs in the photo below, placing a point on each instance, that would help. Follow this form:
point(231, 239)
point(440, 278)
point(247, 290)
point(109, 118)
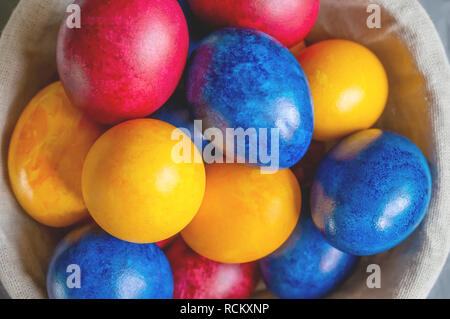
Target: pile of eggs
point(95, 151)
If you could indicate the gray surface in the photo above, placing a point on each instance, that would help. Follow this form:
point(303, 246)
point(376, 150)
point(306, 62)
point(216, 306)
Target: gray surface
point(439, 11)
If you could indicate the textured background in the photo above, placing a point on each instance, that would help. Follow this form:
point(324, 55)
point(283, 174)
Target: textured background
point(439, 11)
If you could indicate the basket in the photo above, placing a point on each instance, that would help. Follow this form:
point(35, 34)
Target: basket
point(418, 107)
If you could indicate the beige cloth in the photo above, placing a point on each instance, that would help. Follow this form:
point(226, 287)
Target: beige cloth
point(419, 107)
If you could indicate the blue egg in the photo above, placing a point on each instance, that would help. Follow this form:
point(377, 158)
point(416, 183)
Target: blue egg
point(370, 192)
point(90, 264)
point(306, 266)
point(243, 78)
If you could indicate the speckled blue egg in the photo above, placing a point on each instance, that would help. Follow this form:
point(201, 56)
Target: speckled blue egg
point(306, 266)
point(371, 192)
point(109, 268)
point(243, 78)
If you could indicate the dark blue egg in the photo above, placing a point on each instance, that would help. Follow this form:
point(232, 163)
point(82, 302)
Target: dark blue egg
point(243, 78)
point(370, 192)
point(306, 266)
point(90, 264)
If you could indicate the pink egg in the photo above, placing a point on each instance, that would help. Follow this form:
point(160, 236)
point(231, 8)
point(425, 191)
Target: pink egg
point(196, 277)
point(125, 60)
point(289, 21)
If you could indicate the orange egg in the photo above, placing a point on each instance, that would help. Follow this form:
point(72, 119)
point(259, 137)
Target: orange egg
point(135, 188)
point(46, 155)
point(349, 87)
point(245, 215)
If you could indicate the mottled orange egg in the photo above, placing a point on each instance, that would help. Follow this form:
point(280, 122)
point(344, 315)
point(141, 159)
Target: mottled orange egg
point(135, 184)
point(349, 87)
point(46, 156)
point(245, 214)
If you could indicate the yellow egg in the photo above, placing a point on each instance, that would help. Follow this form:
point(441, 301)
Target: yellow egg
point(46, 155)
point(349, 87)
point(133, 186)
point(245, 215)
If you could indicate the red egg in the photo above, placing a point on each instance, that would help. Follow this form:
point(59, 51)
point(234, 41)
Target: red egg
point(125, 60)
point(196, 277)
point(289, 21)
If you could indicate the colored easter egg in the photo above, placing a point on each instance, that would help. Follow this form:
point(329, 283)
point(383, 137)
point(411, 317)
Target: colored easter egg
point(248, 90)
point(306, 168)
point(349, 87)
point(46, 156)
point(370, 192)
point(306, 266)
point(90, 264)
point(288, 21)
point(135, 188)
point(125, 60)
point(245, 215)
point(196, 277)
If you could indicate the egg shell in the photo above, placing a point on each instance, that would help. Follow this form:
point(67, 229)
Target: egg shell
point(306, 266)
point(245, 215)
point(108, 268)
point(135, 188)
point(349, 87)
point(196, 277)
point(46, 154)
point(289, 21)
point(125, 60)
point(248, 89)
point(371, 192)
